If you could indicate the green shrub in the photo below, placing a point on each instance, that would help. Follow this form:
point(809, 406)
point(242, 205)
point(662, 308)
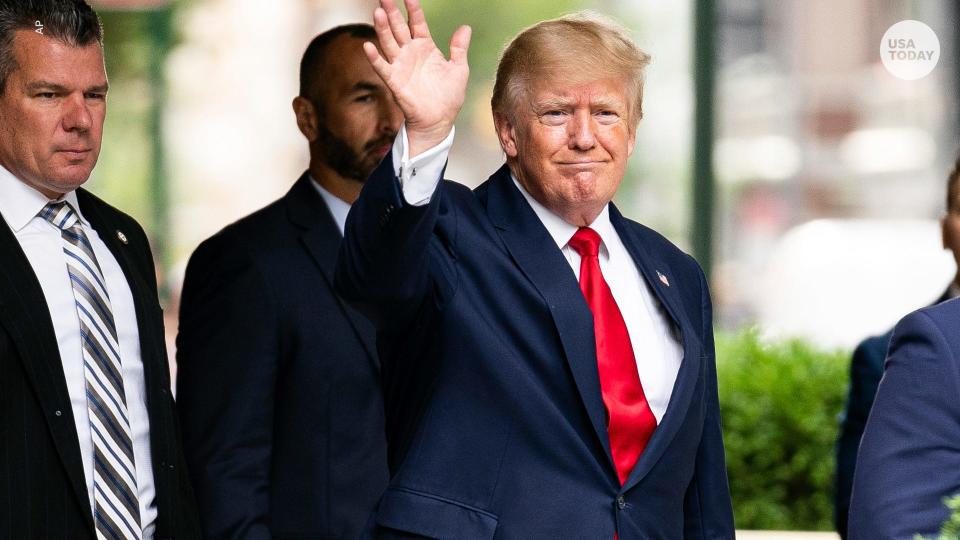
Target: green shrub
point(779, 402)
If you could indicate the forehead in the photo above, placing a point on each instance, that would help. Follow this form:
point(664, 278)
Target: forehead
point(610, 91)
point(51, 60)
point(346, 64)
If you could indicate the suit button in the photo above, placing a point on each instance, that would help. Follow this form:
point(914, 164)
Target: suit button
point(621, 504)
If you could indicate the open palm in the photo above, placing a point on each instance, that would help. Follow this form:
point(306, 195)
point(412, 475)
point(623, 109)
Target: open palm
point(429, 89)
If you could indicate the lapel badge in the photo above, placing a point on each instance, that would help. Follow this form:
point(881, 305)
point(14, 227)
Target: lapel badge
point(123, 238)
point(663, 278)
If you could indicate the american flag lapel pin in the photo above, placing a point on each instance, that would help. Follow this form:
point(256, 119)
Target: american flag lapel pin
point(663, 278)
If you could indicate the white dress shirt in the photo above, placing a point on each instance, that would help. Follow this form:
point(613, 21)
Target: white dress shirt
point(338, 207)
point(654, 337)
point(41, 242)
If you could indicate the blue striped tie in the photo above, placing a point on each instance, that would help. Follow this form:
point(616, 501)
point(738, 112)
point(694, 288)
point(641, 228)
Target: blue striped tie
point(116, 508)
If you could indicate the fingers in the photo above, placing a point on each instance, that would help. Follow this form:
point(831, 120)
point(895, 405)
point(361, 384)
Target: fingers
point(401, 32)
point(380, 65)
point(418, 22)
point(388, 44)
point(460, 45)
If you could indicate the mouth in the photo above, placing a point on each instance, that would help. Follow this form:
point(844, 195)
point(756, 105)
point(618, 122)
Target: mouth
point(382, 150)
point(580, 164)
point(74, 154)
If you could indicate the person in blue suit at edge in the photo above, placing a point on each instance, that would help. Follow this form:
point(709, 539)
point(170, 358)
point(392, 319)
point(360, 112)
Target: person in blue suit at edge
point(548, 365)
point(866, 367)
point(909, 458)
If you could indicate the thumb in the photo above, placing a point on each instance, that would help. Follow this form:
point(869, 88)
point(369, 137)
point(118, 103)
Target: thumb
point(460, 44)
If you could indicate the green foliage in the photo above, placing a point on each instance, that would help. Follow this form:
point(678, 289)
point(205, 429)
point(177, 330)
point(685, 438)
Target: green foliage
point(779, 403)
point(950, 530)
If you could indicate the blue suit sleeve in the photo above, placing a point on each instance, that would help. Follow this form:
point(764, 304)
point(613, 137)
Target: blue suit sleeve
point(383, 266)
point(909, 457)
point(708, 511)
point(227, 358)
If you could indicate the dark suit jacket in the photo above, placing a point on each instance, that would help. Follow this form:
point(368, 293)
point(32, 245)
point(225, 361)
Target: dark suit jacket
point(43, 492)
point(909, 458)
point(866, 369)
point(495, 421)
point(278, 388)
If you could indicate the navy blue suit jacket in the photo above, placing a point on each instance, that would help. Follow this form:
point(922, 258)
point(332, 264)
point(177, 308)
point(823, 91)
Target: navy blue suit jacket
point(495, 422)
point(909, 457)
point(278, 390)
point(866, 370)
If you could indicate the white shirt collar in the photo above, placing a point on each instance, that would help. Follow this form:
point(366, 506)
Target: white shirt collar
point(338, 207)
point(20, 203)
point(560, 230)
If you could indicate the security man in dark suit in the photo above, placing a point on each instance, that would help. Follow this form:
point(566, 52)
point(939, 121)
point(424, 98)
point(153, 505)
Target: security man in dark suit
point(278, 385)
point(90, 445)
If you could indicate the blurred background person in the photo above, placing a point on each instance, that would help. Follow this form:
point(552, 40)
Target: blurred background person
point(278, 383)
point(866, 366)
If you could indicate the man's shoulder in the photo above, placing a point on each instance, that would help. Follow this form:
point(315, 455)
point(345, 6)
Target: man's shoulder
point(658, 244)
point(945, 316)
point(91, 203)
point(936, 326)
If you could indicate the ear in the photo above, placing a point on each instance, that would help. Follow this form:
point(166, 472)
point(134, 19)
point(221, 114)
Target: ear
point(506, 133)
point(631, 140)
point(944, 233)
point(306, 115)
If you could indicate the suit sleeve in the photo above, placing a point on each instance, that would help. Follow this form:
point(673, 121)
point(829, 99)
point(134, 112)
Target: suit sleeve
point(909, 457)
point(708, 511)
point(227, 355)
point(866, 369)
point(384, 268)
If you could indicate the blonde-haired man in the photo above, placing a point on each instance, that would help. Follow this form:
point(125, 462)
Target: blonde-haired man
point(548, 364)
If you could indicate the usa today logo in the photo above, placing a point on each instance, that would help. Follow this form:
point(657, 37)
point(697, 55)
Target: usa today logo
point(910, 50)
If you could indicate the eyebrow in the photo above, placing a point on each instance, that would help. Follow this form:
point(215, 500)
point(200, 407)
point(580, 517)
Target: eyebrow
point(364, 86)
point(561, 102)
point(46, 85)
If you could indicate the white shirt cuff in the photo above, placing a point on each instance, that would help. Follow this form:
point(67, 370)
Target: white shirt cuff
point(419, 176)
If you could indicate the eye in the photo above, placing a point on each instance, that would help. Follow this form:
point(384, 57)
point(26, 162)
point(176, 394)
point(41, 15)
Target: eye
point(98, 96)
point(365, 98)
point(45, 95)
point(553, 117)
point(607, 116)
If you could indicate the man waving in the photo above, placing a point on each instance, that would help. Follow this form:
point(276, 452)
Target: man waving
point(548, 364)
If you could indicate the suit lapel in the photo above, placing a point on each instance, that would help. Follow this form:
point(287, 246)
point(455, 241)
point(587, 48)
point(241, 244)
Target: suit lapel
point(26, 316)
point(652, 268)
point(144, 295)
point(537, 255)
point(321, 238)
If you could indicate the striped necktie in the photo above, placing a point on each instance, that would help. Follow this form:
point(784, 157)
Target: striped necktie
point(116, 508)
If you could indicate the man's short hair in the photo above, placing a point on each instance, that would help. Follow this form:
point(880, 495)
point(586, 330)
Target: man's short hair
point(953, 186)
point(71, 21)
point(314, 58)
point(580, 47)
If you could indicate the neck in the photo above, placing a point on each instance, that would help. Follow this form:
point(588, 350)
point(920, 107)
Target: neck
point(345, 189)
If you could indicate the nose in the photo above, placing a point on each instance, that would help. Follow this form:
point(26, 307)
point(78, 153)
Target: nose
point(390, 117)
point(76, 115)
point(581, 131)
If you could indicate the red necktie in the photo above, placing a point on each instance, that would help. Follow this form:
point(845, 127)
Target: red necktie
point(631, 422)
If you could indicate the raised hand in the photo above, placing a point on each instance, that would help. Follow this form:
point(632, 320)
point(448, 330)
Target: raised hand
point(428, 88)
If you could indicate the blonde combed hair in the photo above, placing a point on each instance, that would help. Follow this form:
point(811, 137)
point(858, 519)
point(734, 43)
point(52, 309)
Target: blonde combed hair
point(575, 48)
